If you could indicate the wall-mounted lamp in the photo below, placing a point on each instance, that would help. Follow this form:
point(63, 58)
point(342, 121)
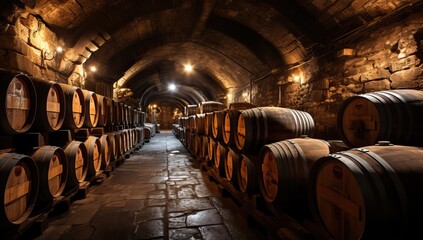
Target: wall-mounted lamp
point(93, 68)
point(297, 78)
point(188, 68)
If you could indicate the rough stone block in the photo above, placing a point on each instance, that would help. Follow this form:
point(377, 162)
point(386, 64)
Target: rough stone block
point(408, 78)
point(404, 63)
point(13, 43)
point(40, 36)
point(379, 85)
point(374, 75)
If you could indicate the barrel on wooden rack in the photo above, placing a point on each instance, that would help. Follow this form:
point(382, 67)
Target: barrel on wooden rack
point(94, 155)
point(75, 107)
point(18, 188)
point(212, 149)
point(106, 151)
point(232, 166)
point(190, 110)
point(196, 144)
point(103, 111)
point(248, 175)
point(220, 159)
point(394, 116)
point(51, 106)
point(110, 116)
point(262, 125)
point(208, 125)
point(200, 120)
point(18, 102)
point(53, 172)
point(114, 151)
point(124, 113)
point(76, 154)
point(192, 127)
point(117, 113)
point(147, 133)
point(373, 192)
point(204, 147)
point(230, 123)
point(211, 106)
point(91, 109)
point(241, 105)
point(285, 167)
point(119, 144)
point(217, 127)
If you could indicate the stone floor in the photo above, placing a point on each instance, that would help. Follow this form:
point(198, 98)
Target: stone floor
point(158, 193)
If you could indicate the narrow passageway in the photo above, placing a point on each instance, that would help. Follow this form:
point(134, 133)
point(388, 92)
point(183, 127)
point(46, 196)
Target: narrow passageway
point(158, 193)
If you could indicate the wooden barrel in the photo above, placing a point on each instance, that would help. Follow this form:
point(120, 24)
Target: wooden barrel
point(147, 133)
point(190, 110)
point(196, 144)
point(140, 140)
point(248, 175)
point(208, 125)
point(204, 147)
point(106, 151)
point(75, 107)
point(241, 106)
point(103, 110)
point(76, 153)
point(123, 138)
point(117, 113)
point(18, 103)
point(51, 106)
point(111, 108)
point(262, 125)
point(192, 126)
point(124, 113)
point(217, 127)
point(212, 149)
point(285, 167)
point(200, 121)
point(53, 172)
point(369, 193)
point(143, 118)
point(394, 116)
point(18, 188)
point(114, 148)
point(220, 159)
point(91, 109)
point(211, 106)
point(119, 144)
point(94, 155)
point(230, 123)
point(232, 166)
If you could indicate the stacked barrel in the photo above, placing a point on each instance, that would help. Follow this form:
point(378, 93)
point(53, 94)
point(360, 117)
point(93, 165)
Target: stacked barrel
point(82, 134)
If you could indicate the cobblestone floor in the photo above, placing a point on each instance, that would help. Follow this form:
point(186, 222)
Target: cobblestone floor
point(158, 193)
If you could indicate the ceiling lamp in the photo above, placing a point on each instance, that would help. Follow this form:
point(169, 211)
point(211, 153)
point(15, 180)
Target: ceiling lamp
point(171, 87)
point(188, 68)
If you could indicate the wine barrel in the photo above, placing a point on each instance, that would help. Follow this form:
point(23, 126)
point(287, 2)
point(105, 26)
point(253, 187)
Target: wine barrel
point(114, 148)
point(117, 113)
point(143, 118)
point(140, 135)
point(192, 127)
point(124, 113)
point(262, 125)
point(248, 175)
point(204, 147)
point(18, 188)
point(211, 106)
point(94, 155)
point(119, 144)
point(230, 123)
point(53, 172)
point(103, 111)
point(111, 108)
point(373, 192)
point(106, 151)
point(91, 109)
point(51, 106)
point(190, 110)
point(76, 154)
point(232, 166)
point(147, 133)
point(394, 116)
point(200, 121)
point(18, 103)
point(241, 106)
point(217, 127)
point(196, 144)
point(75, 107)
point(220, 159)
point(285, 167)
point(208, 125)
point(212, 149)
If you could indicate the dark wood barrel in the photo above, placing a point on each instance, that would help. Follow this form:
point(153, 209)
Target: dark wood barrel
point(94, 155)
point(18, 188)
point(204, 147)
point(111, 108)
point(123, 141)
point(124, 113)
point(75, 107)
point(241, 105)
point(190, 110)
point(208, 125)
point(119, 143)
point(117, 113)
point(217, 127)
point(91, 109)
point(114, 148)
point(220, 159)
point(106, 150)
point(285, 167)
point(76, 154)
point(18, 103)
point(51, 106)
point(211, 106)
point(200, 121)
point(263, 125)
point(147, 133)
point(232, 166)
point(143, 118)
point(103, 110)
point(248, 175)
point(212, 149)
point(53, 172)
point(140, 139)
point(136, 117)
point(394, 116)
point(192, 127)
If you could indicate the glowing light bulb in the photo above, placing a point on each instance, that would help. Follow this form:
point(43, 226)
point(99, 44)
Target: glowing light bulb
point(93, 69)
point(188, 68)
point(172, 87)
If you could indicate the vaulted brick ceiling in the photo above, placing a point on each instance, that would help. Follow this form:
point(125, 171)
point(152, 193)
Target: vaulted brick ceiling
point(143, 44)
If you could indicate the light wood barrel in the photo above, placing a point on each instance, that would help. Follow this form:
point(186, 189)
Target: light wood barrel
point(114, 148)
point(53, 172)
point(124, 113)
point(220, 159)
point(76, 154)
point(91, 109)
point(211, 106)
point(208, 125)
point(103, 111)
point(94, 155)
point(263, 125)
point(18, 188)
point(18, 103)
point(217, 127)
point(394, 116)
point(373, 192)
point(140, 135)
point(106, 150)
point(190, 110)
point(212, 149)
point(232, 166)
point(285, 167)
point(248, 175)
point(75, 107)
point(51, 106)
